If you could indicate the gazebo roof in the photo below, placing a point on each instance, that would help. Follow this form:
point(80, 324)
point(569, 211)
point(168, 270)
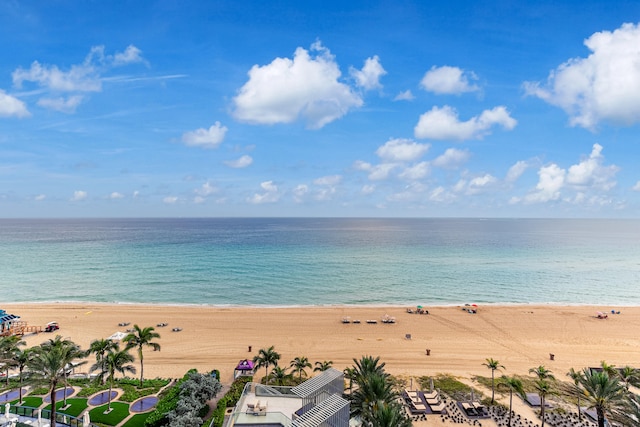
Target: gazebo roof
point(245, 365)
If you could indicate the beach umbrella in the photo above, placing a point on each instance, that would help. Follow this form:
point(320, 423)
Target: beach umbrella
point(419, 306)
point(86, 420)
point(431, 385)
point(6, 410)
point(39, 412)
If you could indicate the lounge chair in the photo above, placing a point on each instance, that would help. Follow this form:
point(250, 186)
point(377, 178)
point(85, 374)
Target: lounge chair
point(372, 322)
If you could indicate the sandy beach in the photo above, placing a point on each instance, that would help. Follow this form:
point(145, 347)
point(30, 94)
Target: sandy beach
point(520, 337)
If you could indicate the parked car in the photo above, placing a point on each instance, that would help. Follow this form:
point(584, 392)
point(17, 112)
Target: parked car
point(51, 326)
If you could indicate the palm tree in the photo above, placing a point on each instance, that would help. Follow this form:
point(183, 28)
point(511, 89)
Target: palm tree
point(8, 347)
point(280, 376)
point(611, 370)
point(390, 415)
point(543, 387)
point(73, 353)
point(494, 365)
point(350, 374)
point(604, 393)
point(323, 366)
point(49, 362)
point(21, 359)
point(100, 348)
point(368, 365)
point(374, 390)
point(629, 376)
point(141, 338)
point(264, 359)
point(576, 390)
point(115, 360)
point(513, 384)
point(299, 364)
point(542, 373)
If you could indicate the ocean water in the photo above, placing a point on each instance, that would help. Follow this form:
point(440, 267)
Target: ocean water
point(293, 262)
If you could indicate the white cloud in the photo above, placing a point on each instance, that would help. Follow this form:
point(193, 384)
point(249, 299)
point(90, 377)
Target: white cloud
point(270, 194)
point(79, 195)
point(452, 158)
point(328, 180)
point(404, 96)
point(136, 194)
point(369, 77)
point(170, 200)
point(401, 150)
point(240, 163)
point(115, 195)
point(592, 173)
point(636, 187)
point(199, 200)
point(131, 55)
point(206, 189)
point(64, 105)
point(550, 181)
point(605, 86)
point(443, 124)
point(516, 171)
point(40, 197)
point(448, 80)
point(287, 89)
point(299, 192)
point(205, 138)
point(481, 183)
point(368, 189)
point(80, 78)
point(441, 195)
point(415, 172)
point(377, 172)
point(12, 106)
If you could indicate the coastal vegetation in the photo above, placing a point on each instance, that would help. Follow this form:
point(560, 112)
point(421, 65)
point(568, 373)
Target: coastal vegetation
point(140, 338)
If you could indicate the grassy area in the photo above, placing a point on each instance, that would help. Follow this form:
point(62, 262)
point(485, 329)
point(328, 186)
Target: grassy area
point(31, 401)
point(119, 411)
point(137, 420)
point(450, 385)
point(77, 405)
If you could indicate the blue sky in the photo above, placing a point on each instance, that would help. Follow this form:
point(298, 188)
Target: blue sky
point(289, 108)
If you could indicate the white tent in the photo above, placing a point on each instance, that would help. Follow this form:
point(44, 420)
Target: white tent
point(117, 336)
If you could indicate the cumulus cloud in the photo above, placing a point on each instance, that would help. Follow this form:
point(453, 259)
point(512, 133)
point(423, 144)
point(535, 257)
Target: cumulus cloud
point(404, 96)
point(441, 195)
point(481, 184)
point(376, 172)
point(115, 195)
point(368, 77)
point(443, 124)
point(448, 80)
point(299, 192)
point(170, 200)
point(415, 172)
point(605, 86)
point(206, 189)
point(328, 186)
point(328, 180)
point(636, 187)
point(11, 106)
point(40, 197)
point(79, 195)
point(270, 194)
point(61, 104)
point(306, 86)
point(368, 189)
point(452, 158)
point(130, 55)
point(590, 179)
point(240, 163)
point(205, 138)
point(401, 150)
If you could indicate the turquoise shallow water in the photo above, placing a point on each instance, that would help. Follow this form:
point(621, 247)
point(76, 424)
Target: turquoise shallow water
point(285, 262)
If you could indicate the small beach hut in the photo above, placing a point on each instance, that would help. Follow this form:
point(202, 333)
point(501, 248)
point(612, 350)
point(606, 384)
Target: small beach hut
point(6, 321)
point(245, 367)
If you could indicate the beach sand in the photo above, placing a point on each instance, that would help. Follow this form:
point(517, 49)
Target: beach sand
point(520, 337)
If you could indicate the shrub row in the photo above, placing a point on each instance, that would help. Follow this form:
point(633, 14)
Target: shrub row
point(168, 402)
point(229, 400)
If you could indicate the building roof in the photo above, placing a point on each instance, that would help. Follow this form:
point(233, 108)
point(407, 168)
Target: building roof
point(322, 412)
point(316, 384)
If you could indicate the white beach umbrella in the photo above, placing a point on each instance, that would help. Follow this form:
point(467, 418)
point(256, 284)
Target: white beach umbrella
point(6, 410)
point(39, 412)
point(86, 420)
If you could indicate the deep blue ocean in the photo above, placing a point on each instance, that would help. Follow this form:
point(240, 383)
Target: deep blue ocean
point(292, 262)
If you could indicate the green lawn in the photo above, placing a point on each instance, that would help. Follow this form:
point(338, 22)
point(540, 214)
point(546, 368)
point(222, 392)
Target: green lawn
point(119, 411)
point(77, 406)
point(137, 420)
point(32, 401)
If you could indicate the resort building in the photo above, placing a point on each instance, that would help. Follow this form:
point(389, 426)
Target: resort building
point(316, 402)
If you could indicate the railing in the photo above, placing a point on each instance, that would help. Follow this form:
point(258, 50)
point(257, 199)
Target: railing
point(45, 414)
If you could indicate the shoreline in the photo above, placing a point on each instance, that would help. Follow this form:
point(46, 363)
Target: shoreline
point(215, 337)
